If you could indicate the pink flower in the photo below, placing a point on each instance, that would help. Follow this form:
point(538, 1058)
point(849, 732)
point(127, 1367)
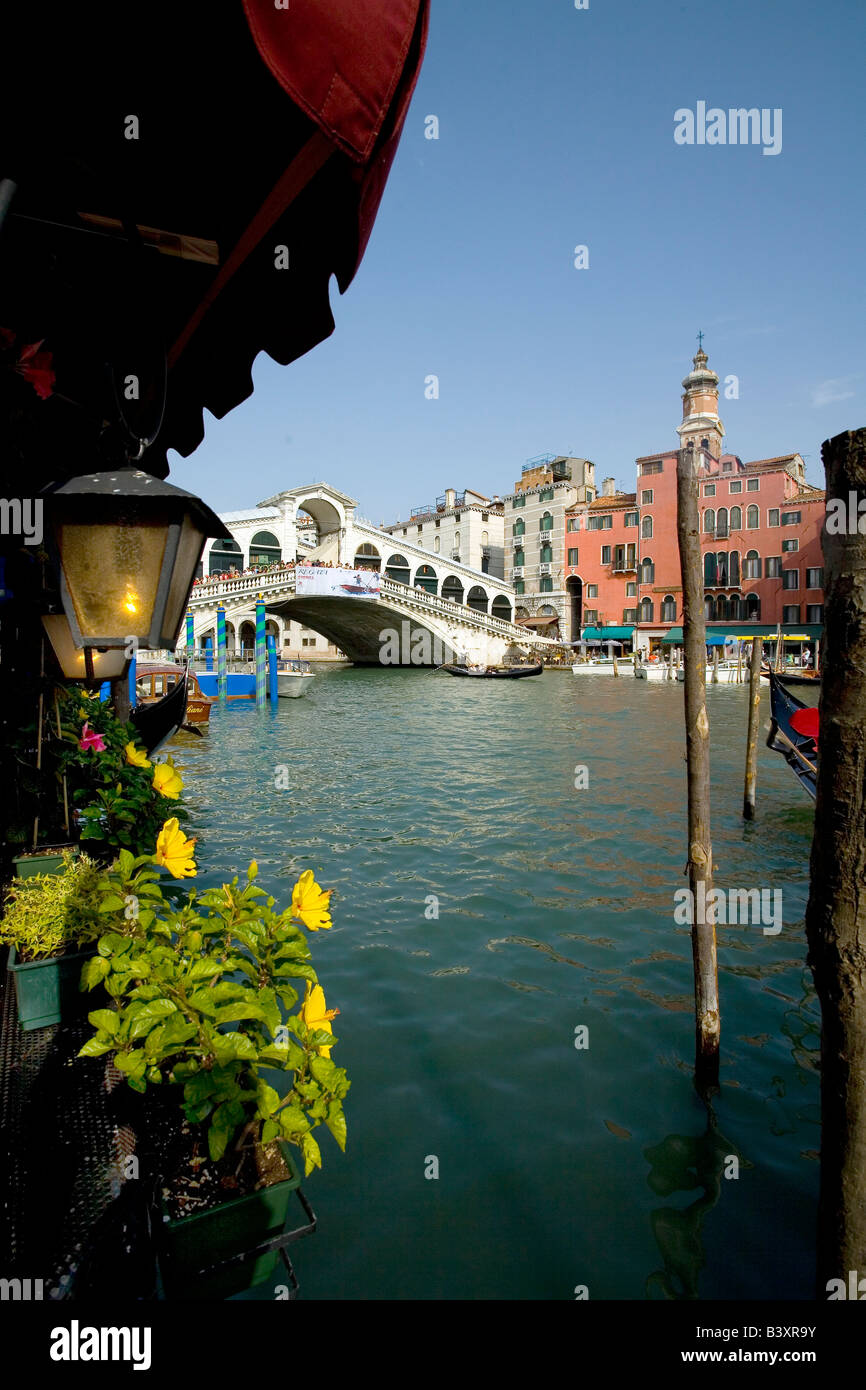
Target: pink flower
point(90, 740)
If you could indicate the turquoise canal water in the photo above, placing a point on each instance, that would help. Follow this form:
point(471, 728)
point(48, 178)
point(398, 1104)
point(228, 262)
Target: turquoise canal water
point(557, 1166)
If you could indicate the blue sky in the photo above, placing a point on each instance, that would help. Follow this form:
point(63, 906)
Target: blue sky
point(556, 129)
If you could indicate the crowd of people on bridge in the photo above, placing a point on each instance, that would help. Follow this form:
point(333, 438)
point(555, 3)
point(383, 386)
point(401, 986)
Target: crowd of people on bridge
point(234, 573)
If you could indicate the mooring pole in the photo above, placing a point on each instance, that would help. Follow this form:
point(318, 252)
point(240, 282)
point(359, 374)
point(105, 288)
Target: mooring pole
point(715, 676)
point(836, 913)
point(273, 684)
point(700, 860)
point(261, 655)
point(751, 781)
point(222, 672)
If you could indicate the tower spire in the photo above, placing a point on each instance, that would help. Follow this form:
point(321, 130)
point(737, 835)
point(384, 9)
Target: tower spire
point(701, 425)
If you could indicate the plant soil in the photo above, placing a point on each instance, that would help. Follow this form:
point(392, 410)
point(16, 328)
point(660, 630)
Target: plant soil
point(194, 1182)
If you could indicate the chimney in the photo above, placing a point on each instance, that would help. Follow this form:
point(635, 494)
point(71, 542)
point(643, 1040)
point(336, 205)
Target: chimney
point(607, 487)
point(450, 497)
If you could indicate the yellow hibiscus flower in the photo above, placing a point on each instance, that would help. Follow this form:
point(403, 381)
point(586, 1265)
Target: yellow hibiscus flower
point(315, 1015)
point(166, 780)
point(136, 756)
point(311, 903)
point(174, 851)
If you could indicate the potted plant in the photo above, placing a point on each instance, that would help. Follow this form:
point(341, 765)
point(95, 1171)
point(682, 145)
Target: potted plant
point(46, 859)
point(204, 1005)
point(50, 923)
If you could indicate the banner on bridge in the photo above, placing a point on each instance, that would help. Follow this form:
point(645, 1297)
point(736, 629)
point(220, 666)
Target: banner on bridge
point(337, 583)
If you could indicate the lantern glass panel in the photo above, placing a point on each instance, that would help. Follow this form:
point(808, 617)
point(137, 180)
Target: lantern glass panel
point(112, 574)
point(189, 551)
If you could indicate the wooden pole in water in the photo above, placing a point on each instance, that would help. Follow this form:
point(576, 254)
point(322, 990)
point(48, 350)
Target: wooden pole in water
point(715, 677)
point(751, 781)
point(700, 860)
point(836, 913)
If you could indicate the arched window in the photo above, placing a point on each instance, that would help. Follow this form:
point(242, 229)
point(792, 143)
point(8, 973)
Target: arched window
point(709, 521)
point(477, 599)
point(425, 578)
point(485, 540)
point(669, 609)
point(752, 518)
point(734, 568)
point(456, 540)
point(397, 568)
point(710, 570)
point(546, 554)
point(645, 610)
point(722, 569)
point(753, 608)
point(708, 607)
point(223, 555)
point(646, 528)
point(452, 589)
point(647, 571)
point(736, 518)
point(721, 608)
point(752, 565)
point(722, 523)
point(734, 608)
point(367, 557)
point(519, 527)
point(520, 557)
point(265, 549)
point(501, 608)
point(545, 522)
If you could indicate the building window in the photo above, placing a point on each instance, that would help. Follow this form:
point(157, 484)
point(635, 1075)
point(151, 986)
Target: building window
point(736, 518)
point(308, 641)
point(727, 468)
point(546, 494)
point(646, 609)
point(710, 521)
point(437, 522)
point(669, 609)
point(592, 591)
point(437, 543)
point(646, 528)
point(457, 516)
point(546, 585)
point(573, 523)
point(518, 501)
point(753, 485)
point(647, 572)
point(599, 523)
point(520, 558)
point(630, 518)
point(546, 554)
point(733, 486)
point(790, 579)
point(646, 497)
point(710, 570)
point(753, 519)
point(519, 527)
point(752, 565)
point(773, 516)
point(722, 569)
point(485, 538)
point(791, 613)
point(629, 615)
point(605, 554)
point(790, 518)
point(814, 612)
point(734, 607)
point(647, 468)
point(572, 556)
point(791, 545)
point(734, 568)
point(485, 516)
point(519, 586)
point(814, 579)
point(753, 608)
point(722, 522)
point(631, 589)
point(545, 522)
point(456, 540)
point(590, 616)
point(709, 489)
point(774, 566)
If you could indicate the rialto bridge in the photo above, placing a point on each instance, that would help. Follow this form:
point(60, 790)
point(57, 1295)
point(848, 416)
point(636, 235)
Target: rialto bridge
point(429, 610)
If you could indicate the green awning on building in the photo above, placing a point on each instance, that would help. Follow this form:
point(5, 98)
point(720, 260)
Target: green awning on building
point(813, 632)
point(607, 634)
point(674, 638)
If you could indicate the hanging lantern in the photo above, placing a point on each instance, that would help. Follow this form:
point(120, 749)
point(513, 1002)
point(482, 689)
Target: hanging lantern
point(82, 663)
point(128, 546)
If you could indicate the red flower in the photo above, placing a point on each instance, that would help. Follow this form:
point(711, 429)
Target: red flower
point(35, 367)
point(91, 739)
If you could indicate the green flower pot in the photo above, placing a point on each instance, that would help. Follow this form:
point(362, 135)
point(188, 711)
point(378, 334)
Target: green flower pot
point(48, 860)
point(192, 1244)
point(47, 990)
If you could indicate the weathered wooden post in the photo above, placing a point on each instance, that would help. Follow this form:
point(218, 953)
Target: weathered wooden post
point(715, 676)
point(752, 736)
point(700, 860)
point(836, 914)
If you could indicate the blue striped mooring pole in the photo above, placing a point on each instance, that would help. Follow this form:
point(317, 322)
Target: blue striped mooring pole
point(261, 655)
point(222, 672)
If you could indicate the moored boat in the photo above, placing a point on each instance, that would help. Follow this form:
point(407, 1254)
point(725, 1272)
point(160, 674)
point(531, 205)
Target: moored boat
point(494, 672)
point(154, 684)
point(293, 679)
point(798, 748)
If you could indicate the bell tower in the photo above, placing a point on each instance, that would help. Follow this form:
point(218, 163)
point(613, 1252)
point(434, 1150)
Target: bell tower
point(701, 425)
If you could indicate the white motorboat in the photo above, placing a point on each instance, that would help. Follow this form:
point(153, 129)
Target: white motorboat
point(293, 679)
point(603, 667)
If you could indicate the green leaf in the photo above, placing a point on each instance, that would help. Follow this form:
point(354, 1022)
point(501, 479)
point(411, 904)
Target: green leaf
point(293, 1121)
point(268, 1100)
point(288, 1057)
point(131, 1062)
point(149, 1015)
point(205, 970)
point(270, 1130)
point(325, 1071)
point(234, 1013)
point(93, 971)
point(106, 1019)
point(112, 903)
point(217, 1142)
point(125, 863)
point(113, 944)
point(235, 1047)
point(94, 1048)
point(336, 1122)
point(312, 1154)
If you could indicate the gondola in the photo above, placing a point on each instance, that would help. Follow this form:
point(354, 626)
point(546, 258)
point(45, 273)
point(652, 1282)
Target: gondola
point(799, 750)
point(156, 723)
point(496, 672)
point(797, 678)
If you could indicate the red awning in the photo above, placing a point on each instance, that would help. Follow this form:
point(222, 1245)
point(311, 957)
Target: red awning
point(213, 136)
